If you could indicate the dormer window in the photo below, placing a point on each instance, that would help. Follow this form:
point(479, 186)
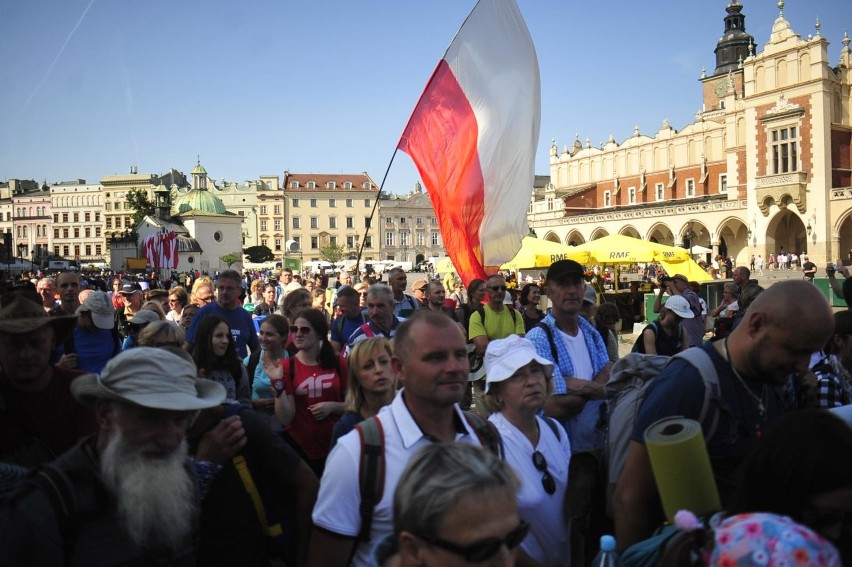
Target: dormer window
point(367, 185)
point(331, 185)
point(294, 185)
point(312, 185)
point(347, 185)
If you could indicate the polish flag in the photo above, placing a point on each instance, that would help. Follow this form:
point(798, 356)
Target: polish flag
point(473, 136)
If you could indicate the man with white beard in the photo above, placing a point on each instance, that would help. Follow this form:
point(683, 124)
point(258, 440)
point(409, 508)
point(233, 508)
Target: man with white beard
point(126, 495)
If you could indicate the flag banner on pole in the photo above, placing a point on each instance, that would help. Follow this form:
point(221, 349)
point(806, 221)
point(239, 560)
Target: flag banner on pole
point(473, 136)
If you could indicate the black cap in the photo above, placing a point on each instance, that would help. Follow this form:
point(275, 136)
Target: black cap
point(564, 270)
point(130, 287)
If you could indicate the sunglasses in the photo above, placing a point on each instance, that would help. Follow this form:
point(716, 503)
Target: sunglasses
point(484, 549)
point(540, 464)
point(205, 299)
point(422, 289)
point(497, 288)
point(303, 330)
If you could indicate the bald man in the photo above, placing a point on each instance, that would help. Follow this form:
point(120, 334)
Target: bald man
point(772, 345)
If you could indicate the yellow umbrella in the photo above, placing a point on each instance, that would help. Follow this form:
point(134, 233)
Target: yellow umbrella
point(689, 268)
point(620, 249)
point(536, 253)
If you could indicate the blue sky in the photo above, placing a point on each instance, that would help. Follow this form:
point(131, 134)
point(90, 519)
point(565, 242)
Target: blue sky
point(91, 87)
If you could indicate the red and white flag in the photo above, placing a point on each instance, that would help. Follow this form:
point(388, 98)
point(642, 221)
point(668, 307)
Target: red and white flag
point(473, 136)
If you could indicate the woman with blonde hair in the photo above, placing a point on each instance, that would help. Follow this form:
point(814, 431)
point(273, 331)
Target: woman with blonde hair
point(255, 295)
point(178, 299)
point(372, 384)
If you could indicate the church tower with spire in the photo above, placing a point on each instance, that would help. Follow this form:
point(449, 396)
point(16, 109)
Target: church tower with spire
point(733, 46)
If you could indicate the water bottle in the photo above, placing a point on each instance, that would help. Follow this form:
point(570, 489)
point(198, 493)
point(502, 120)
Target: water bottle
point(607, 556)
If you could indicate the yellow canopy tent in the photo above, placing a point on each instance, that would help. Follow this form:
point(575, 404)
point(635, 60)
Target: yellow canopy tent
point(689, 268)
point(536, 253)
point(620, 249)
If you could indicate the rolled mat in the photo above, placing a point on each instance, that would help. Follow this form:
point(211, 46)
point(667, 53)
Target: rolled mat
point(681, 466)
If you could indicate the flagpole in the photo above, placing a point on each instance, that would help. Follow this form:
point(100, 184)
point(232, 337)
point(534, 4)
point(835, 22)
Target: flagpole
point(357, 274)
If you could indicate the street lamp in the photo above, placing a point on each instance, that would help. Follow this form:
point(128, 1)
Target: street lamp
point(21, 249)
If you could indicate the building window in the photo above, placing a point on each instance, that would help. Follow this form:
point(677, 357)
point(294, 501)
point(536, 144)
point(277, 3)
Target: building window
point(87, 217)
point(367, 203)
point(313, 203)
point(332, 240)
point(690, 188)
point(435, 238)
point(550, 203)
point(314, 243)
point(389, 238)
point(349, 203)
point(56, 250)
point(97, 217)
point(607, 199)
point(276, 210)
point(262, 225)
point(366, 222)
point(347, 185)
point(109, 222)
point(55, 217)
point(350, 222)
point(312, 185)
point(332, 203)
point(277, 224)
point(434, 221)
point(263, 209)
point(419, 221)
point(314, 222)
point(785, 152)
point(388, 221)
point(65, 251)
point(331, 185)
point(55, 233)
point(88, 232)
point(294, 185)
point(76, 217)
point(420, 239)
point(64, 217)
point(659, 191)
point(631, 195)
point(368, 242)
point(332, 222)
point(723, 183)
point(367, 185)
point(296, 223)
point(98, 250)
point(88, 250)
point(278, 244)
point(297, 242)
point(64, 233)
point(107, 206)
point(295, 202)
point(97, 232)
point(403, 239)
point(350, 242)
point(263, 241)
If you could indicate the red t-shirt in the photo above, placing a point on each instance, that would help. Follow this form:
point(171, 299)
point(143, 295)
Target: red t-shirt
point(52, 416)
point(310, 385)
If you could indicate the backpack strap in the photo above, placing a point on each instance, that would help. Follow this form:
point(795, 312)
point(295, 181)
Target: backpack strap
point(371, 471)
point(60, 493)
point(553, 427)
point(251, 489)
point(698, 358)
point(549, 334)
point(487, 434)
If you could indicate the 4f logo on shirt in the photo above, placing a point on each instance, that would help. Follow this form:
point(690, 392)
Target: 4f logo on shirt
point(312, 386)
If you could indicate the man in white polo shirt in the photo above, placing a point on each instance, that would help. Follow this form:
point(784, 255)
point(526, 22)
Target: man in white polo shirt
point(430, 360)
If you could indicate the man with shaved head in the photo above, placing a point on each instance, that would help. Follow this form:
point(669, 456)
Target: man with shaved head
point(774, 342)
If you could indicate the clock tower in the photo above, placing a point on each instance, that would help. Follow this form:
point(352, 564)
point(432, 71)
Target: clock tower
point(733, 46)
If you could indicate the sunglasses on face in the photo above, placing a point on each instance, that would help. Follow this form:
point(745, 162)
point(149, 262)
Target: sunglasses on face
point(497, 288)
point(540, 464)
point(300, 330)
point(484, 549)
point(205, 299)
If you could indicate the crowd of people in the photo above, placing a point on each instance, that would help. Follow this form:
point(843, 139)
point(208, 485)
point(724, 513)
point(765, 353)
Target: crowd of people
point(249, 418)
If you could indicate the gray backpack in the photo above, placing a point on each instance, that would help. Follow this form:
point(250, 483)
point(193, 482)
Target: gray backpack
point(627, 387)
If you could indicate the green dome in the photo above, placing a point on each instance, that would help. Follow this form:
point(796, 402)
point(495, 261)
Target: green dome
point(199, 169)
point(200, 200)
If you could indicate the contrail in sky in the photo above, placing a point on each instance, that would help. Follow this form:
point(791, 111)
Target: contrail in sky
point(58, 55)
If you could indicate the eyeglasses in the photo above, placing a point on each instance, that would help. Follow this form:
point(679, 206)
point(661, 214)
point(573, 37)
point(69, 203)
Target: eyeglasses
point(497, 288)
point(540, 464)
point(205, 299)
point(483, 549)
point(422, 289)
point(300, 330)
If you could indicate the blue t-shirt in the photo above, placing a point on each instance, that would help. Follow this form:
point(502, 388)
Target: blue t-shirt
point(349, 325)
point(679, 391)
point(238, 319)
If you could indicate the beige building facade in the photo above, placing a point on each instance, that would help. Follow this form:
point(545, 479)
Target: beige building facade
point(765, 167)
point(77, 228)
point(409, 228)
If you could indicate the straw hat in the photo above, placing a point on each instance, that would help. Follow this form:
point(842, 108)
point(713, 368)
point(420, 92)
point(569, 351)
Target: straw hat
point(21, 315)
